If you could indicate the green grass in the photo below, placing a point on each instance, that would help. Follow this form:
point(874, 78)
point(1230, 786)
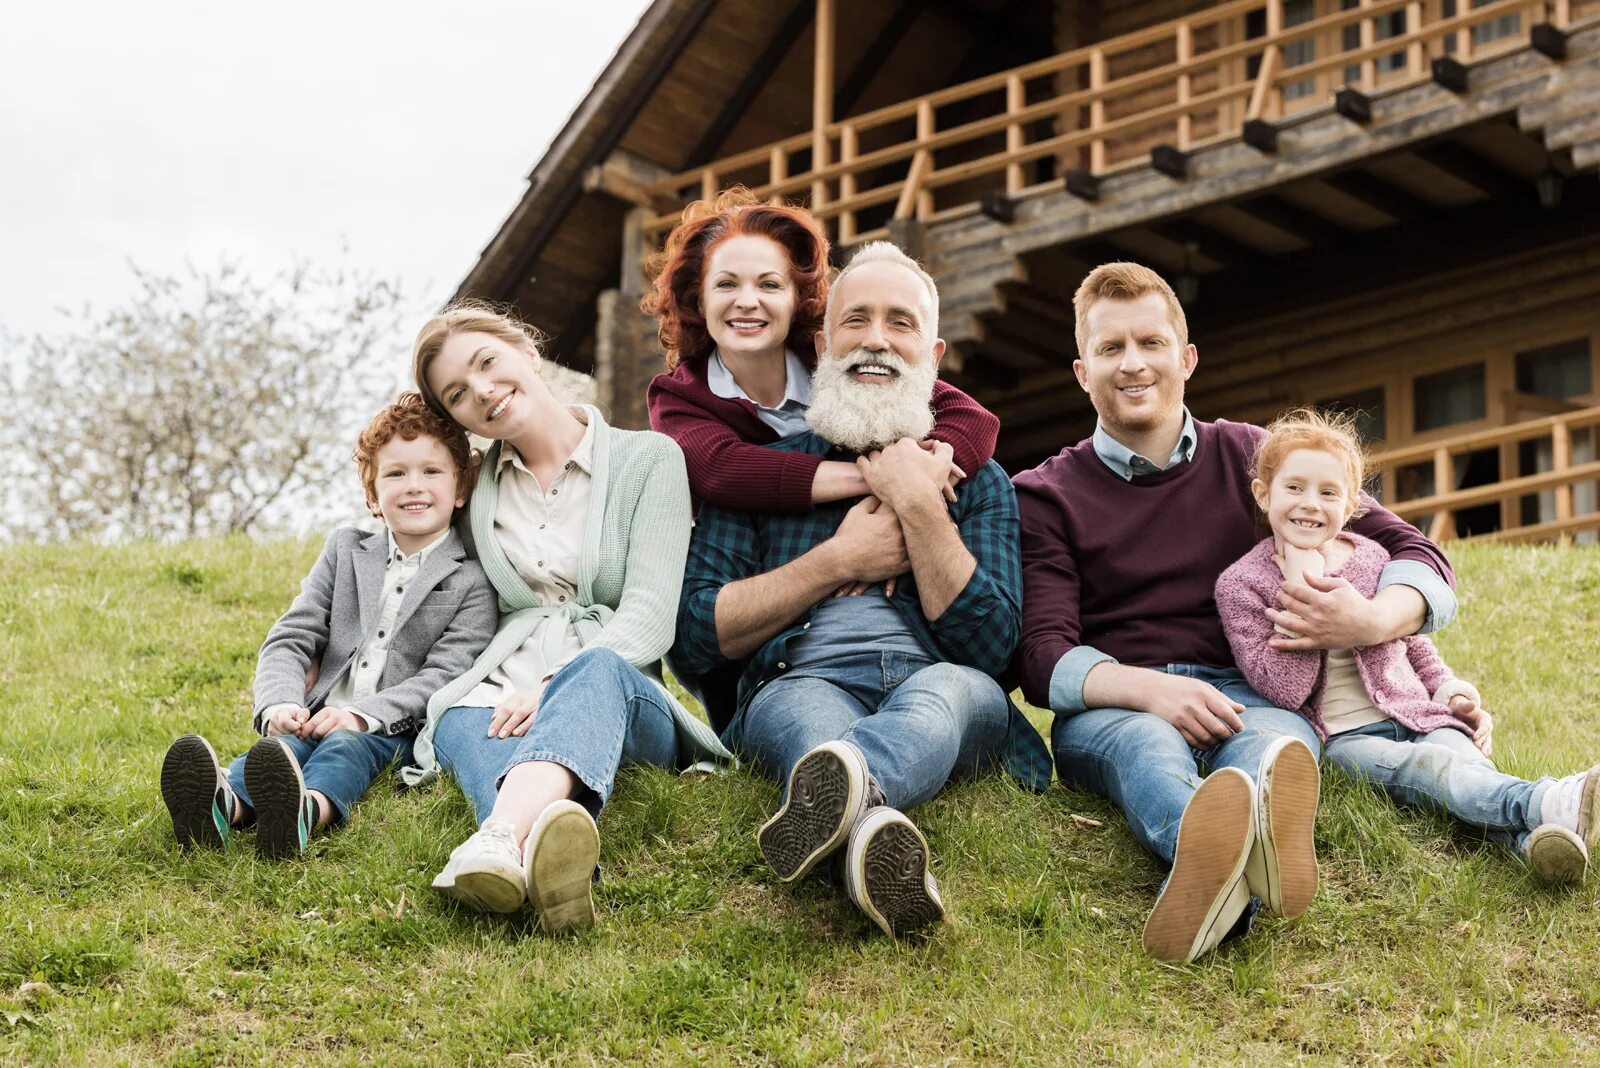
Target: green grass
point(1425, 945)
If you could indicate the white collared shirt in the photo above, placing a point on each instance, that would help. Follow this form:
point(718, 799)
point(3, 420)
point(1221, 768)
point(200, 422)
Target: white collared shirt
point(541, 531)
point(789, 417)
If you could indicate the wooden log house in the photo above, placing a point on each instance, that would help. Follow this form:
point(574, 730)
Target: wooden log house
point(1386, 206)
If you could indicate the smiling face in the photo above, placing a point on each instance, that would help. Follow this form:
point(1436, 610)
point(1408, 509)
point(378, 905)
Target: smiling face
point(1309, 499)
point(747, 296)
point(1133, 366)
point(417, 489)
point(489, 387)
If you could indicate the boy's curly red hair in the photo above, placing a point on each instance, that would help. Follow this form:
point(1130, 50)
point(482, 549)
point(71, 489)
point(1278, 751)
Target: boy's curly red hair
point(678, 270)
point(409, 418)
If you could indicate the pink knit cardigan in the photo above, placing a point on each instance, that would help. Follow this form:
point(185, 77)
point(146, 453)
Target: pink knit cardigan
point(1406, 679)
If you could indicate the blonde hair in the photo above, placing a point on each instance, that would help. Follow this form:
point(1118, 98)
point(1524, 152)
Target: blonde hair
point(1311, 428)
point(467, 316)
point(888, 252)
point(1123, 281)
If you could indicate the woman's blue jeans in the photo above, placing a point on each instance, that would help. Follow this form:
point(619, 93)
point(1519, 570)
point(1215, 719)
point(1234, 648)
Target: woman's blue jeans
point(598, 713)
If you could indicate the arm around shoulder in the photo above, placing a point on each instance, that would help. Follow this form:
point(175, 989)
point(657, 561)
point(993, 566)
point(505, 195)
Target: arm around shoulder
point(1284, 677)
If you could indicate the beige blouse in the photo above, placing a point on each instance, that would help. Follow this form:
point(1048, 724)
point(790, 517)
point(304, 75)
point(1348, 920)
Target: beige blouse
point(1345, 704)
point(541, 531)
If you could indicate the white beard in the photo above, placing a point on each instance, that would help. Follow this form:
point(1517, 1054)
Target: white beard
point(866, 417)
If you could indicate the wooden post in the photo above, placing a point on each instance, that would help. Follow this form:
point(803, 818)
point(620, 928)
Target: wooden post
point(1561, 14)
point(1185, 57)
point(778, 170)
point(1015, 98)
point(1443, 482)
point(1561, 460)
point(1369, 37)
point(925, 130)
point(1416, 54)
point(1097, 109)
point(1464, 43)
point(708, 183)
point(847, 184)
point(821, 98)
point(1273, 104)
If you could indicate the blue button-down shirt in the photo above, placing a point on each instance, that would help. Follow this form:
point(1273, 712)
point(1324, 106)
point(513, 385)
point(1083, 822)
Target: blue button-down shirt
point(979, 629)
point(789, 417)
point(1067, 679)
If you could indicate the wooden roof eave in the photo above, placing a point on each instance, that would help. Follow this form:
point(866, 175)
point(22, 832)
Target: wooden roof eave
point(598, 123)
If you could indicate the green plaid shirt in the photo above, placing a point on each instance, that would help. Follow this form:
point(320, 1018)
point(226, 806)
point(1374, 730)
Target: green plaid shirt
point(979, 629)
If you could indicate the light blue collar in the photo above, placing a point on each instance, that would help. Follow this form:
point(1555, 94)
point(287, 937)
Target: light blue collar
point(1127, 463)
point(796, 390)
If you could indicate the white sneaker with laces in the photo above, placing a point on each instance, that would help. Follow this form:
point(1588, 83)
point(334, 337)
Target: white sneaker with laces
point(1574, 803)
point(485, 872)
point(1556, 855)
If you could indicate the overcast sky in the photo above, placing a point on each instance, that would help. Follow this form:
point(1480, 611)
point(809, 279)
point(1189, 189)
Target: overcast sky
point(174, 131)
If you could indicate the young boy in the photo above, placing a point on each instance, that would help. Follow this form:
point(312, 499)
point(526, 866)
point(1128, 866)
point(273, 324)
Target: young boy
point(386, 618)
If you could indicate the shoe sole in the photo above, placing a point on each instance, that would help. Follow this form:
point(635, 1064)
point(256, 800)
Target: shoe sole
point(560, 874)
point(486, 891)
point(277, 789)
point(1556, 855)
point(1589, 811)
point(189, 787)
point(813, 820)
point(893, 873)
point(1288, 793)
point(1214, 842)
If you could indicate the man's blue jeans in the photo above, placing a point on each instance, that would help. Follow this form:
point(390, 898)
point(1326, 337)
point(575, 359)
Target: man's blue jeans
point(598, 713)
point(1441, 770)
point(340, 766)
point(917, 722)
point(1141, 762)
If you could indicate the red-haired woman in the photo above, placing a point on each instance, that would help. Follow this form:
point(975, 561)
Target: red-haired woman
point(740, 290)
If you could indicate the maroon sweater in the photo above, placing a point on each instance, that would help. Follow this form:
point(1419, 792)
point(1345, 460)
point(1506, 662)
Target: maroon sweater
point(722, 439)
point(1130, 567)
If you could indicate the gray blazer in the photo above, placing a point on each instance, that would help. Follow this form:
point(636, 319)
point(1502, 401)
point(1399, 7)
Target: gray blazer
point(447, 617)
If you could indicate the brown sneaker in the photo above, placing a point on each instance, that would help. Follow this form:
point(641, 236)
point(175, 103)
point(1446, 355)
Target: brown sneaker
point(1206, 892)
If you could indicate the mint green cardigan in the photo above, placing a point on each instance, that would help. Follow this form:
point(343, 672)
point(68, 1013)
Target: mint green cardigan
point(630, 572)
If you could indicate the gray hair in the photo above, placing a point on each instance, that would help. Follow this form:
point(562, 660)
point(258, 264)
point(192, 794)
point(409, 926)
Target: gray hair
point(888, 252)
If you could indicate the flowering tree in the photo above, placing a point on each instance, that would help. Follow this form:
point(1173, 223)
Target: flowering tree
point(211, 403)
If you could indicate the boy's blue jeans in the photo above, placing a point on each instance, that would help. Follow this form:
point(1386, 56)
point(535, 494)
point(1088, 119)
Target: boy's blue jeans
point(917, 722)
point(340, 766)
point(1441, 770)
point(598, 713)
point(1142, 763)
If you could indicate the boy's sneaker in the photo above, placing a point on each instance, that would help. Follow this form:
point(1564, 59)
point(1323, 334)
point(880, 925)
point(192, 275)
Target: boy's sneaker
point(560, 857)
point(285, 813)
point(827, 795)
point(1556, 854)
point(1206, 892)
point(1282, 870)
point(1574, 803)
point(485, 872)
point(197, 794)
point(886, 873)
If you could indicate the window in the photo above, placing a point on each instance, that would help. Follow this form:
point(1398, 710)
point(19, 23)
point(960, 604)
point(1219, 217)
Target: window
point(1449, 397)
point(1297, 53)
point(1556, 371)
point(1495, 29)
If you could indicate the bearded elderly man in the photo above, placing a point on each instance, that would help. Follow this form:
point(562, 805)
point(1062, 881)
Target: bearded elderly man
point(1123, 537)
point(866, 704)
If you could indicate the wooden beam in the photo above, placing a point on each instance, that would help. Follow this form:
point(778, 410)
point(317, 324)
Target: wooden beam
point(1208, 242)
point(1170, 161)
point(1292, 219)
point(1380, 195)
point(1353, 104)
point(1450, 73)
point(738, 102)
point(821, 95)
point(1475, 171)
point(627, 178)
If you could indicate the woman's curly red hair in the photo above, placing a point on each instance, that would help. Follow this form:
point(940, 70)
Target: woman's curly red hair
point(678, 269)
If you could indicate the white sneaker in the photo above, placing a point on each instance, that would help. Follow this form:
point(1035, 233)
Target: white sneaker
point(562, 851)
point(1282, 869)
point(886, 873)
point(485, 871)
point(828, 792)
point(1206, 893)
point(1556, 854)
point(1574, 803)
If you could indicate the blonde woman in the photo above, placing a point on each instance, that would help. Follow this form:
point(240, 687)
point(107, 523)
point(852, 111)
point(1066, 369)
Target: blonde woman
point(583, 530)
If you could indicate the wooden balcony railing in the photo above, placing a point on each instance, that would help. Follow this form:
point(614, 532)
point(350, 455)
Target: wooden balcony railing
point(1437, 512)
point(1187, 83)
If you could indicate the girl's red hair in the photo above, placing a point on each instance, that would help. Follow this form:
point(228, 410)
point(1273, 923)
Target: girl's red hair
point(678, 269)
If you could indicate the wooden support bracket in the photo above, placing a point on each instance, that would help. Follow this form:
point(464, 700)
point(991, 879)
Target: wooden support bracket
point(628, 178)
point(1450, 73)
point(1353, 104)
point(1548, 40)
point(1260, 134)
point(1170, 161)
point(1082, 184)
point(999, 207)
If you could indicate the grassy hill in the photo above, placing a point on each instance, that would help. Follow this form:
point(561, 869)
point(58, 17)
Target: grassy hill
point(1425, 945)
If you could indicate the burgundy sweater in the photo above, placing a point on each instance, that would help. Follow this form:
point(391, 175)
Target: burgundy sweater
point(1129, 567)
point(722, 439)
point(1405, 679)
